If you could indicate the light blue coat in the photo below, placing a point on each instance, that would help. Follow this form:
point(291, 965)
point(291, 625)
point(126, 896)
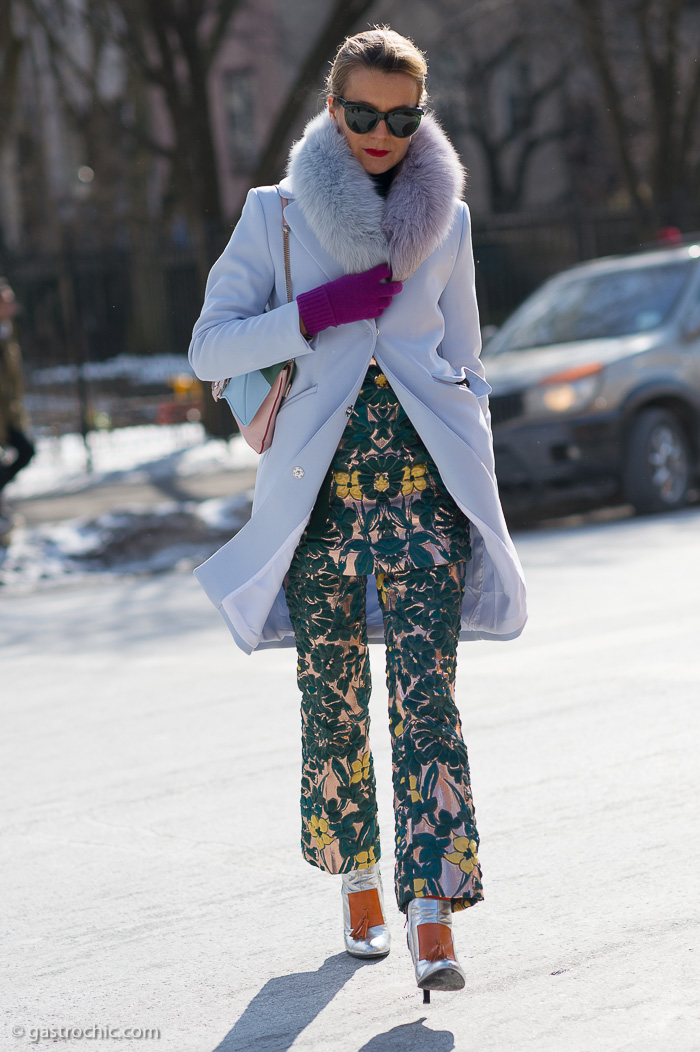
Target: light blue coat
point(426, 343)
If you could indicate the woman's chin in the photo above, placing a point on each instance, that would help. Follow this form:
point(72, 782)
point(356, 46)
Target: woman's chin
point(376, 165)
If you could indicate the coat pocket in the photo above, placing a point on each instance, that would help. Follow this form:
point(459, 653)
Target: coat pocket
point(295, 396)
point(466, 378)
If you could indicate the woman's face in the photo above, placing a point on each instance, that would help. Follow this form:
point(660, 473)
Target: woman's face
point(378, 150)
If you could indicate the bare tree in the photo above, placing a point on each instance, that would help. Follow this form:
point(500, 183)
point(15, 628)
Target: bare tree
point(341, 20)
point(513, 80)
point(509, 146)
point(646, 58)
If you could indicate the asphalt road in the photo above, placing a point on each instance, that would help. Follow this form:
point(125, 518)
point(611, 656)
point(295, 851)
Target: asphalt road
point(146, 492)
point(152, 875)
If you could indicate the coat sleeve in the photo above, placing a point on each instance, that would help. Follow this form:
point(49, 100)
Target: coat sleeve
point(234, 333)
point(461, 343)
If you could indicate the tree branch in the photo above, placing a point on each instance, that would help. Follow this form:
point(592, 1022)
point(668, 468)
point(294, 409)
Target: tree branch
point(591, 19)
point(342, 19)
point(217, 35)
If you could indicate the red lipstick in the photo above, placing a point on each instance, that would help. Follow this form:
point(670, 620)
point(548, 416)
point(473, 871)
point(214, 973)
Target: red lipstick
point(377, 153)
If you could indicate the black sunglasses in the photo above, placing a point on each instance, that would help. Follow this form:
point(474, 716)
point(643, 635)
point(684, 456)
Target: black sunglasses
point(361, 118)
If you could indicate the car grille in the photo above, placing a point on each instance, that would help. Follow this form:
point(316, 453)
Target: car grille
point(505, 407)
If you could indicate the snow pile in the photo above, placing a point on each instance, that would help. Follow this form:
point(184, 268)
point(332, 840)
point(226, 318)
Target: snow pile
point(131, 540)
point(169, 536)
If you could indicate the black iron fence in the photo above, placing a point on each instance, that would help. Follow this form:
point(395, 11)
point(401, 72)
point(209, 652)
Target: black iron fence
point(105, 333)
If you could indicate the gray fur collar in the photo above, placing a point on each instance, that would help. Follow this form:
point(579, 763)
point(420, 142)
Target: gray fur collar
point(356, 226)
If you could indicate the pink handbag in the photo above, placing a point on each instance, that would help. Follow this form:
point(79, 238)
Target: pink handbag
point(259, 431)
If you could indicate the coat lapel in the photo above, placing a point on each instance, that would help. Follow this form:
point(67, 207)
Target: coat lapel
point(300, 228)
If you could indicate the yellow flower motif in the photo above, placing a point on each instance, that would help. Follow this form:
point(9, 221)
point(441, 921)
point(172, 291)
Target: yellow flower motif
point(365, 859)
point(413, 787)
point(414, 478)
point(464, 854)
point(381, 587)
point(347, 484)
point(381, 482)
point(360, 769)
point(398, 729)
point(418, 886)
point(318, 828)
point(381, 380)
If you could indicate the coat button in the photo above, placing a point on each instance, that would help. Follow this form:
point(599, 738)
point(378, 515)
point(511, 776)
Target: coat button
point(348, 411)
point(298, 472)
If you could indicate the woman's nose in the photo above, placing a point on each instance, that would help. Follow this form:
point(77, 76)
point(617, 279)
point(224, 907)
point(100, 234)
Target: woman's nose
point(380, 130)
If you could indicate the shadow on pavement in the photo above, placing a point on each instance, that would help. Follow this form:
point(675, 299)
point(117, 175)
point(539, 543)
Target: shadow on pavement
point(411, 1036)
point(288, 1004)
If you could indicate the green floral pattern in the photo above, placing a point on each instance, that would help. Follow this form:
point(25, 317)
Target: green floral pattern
point(383, 506)
point(436, 836)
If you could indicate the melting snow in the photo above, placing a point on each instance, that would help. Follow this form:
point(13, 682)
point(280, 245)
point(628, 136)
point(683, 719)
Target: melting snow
point(170, 535)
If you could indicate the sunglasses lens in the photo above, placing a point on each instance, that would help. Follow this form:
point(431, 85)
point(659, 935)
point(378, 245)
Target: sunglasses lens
point(360, 119)
point(403, 123)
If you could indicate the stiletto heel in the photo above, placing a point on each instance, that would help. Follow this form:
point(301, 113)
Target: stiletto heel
point(429, 939)
point(365, 930)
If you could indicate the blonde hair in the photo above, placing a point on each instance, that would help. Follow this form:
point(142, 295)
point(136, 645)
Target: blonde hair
point(379, 49)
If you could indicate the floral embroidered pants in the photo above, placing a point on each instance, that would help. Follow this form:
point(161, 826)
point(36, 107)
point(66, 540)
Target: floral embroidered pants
point(436, 836)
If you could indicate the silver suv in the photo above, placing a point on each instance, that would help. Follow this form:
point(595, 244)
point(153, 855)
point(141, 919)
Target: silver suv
point(596, 385)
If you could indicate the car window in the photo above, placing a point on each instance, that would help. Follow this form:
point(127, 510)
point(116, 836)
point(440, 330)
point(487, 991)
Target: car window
point(596, 307)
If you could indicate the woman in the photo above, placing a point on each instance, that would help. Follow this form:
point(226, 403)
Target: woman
point(381, 467)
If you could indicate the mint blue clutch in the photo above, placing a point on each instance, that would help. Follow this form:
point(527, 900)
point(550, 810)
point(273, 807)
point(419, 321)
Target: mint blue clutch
point(245, 394)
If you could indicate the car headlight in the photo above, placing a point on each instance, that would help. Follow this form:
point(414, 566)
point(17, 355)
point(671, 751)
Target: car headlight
point(564, 392)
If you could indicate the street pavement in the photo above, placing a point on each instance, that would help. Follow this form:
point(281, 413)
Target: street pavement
point(152, 877)
point(144, 491)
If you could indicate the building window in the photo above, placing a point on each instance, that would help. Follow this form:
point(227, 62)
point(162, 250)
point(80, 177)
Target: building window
point(238, 107)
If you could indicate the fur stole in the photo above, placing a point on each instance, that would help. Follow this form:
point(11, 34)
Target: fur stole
point(356, 226)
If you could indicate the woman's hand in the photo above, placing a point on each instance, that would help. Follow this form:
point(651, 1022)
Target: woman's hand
point(354, 297)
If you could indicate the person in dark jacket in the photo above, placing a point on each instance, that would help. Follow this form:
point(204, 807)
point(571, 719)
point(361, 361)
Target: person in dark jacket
point(16, 449)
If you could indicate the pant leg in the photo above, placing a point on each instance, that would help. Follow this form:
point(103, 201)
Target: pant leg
point(24, 449)
point(436, 836)
point(340, 831)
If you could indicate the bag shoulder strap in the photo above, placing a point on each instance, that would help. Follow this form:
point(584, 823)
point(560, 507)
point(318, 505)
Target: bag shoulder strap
point(285, 244)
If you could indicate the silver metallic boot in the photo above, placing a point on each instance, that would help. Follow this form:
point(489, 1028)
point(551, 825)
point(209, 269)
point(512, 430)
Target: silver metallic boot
point(429, 938)
point(364, 920)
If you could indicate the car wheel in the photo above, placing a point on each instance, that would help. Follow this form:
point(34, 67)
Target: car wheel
point(657, 467)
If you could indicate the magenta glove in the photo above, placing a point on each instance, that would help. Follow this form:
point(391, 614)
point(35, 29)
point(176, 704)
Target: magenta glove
point(354, 297)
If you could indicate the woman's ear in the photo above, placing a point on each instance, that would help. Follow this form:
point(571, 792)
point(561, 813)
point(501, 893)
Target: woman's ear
point(331, 109)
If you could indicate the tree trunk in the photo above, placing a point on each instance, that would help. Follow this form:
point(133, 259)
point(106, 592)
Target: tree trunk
point(591, 17)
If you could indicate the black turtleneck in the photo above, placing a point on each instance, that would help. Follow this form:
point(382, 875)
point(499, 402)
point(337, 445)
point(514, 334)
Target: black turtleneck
point(384, 180)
